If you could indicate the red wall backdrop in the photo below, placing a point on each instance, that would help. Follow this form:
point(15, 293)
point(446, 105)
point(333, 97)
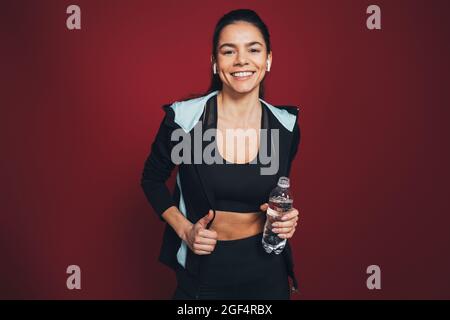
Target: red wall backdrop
point(79, 110)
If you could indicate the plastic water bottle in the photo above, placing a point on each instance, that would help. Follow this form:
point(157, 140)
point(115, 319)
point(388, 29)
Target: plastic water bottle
point(280, 201)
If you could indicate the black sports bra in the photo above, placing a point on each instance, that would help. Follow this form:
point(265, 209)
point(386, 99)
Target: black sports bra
point(237, 187)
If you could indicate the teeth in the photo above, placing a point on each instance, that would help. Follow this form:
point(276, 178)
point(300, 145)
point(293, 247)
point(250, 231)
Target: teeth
point(242, 74)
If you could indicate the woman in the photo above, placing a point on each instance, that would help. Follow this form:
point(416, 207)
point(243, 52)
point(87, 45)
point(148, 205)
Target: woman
point(216, 215)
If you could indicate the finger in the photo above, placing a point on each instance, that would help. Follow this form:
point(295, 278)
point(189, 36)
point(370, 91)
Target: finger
point(287, 235)
point(290, 214)
point(201, 252)
point(203, 247)
point(205, 233)
point(282, 230)
point(202, 240)
point(285, 224)
point(206, 219)
point(264, 206)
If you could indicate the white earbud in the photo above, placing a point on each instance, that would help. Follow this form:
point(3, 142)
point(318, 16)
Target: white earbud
point(214, 68)
point(268, 66)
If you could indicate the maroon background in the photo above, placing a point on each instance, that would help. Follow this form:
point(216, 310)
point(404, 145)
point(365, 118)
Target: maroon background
point(79, 110)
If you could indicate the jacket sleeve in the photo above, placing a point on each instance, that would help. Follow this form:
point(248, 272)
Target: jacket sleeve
point(159, 166)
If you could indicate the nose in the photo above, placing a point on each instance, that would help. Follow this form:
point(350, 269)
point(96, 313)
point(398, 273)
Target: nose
point(241, 59)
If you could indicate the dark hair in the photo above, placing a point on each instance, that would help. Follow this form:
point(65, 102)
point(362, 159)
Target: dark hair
point(231, 17)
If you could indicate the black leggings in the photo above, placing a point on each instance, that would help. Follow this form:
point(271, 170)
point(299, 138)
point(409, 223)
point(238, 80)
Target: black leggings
point(236, 269)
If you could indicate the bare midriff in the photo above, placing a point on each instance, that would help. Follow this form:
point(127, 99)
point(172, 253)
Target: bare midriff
point(236, 225)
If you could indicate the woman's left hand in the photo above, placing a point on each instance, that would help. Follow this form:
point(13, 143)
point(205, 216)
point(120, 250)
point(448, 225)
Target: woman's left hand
point(285, 228)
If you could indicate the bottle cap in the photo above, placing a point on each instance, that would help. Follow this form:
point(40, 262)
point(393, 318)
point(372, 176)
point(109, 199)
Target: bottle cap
point(283, 182)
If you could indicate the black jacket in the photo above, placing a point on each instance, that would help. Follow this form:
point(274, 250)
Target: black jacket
point(191, 193)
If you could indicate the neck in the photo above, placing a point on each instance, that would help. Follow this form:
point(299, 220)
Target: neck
point(239, 106)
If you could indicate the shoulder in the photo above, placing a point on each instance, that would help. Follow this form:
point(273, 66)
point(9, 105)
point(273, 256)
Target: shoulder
point(286, 115)
point(186, 113)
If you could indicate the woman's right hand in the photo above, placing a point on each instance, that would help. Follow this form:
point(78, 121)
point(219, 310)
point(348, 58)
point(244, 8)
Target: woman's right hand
point(199, 239)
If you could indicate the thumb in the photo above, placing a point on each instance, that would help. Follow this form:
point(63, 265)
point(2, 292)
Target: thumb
point(206, 219)
point(264, 206)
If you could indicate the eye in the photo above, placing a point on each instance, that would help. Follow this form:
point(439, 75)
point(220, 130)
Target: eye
point(255, 50)
point(228, 52)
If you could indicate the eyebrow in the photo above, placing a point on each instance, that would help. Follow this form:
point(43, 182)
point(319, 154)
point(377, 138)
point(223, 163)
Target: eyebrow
point(234, 46)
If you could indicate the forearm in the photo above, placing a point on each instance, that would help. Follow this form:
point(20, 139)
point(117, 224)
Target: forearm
point(177, 221)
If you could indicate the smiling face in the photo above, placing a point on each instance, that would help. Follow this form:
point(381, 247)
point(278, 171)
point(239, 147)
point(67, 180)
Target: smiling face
point(242, 57)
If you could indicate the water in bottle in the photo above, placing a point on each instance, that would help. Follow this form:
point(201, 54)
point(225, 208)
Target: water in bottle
point(280, 201)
